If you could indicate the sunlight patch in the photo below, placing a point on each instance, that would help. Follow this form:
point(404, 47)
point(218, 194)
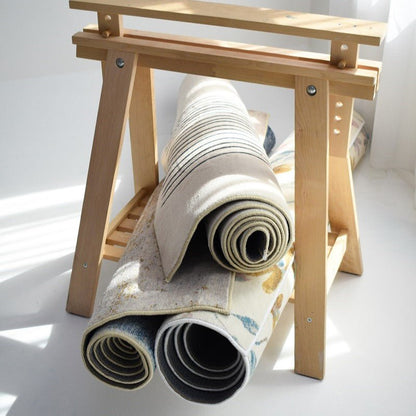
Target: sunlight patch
point(335, 346)
point(6, 402)
point(37, 336)
point(38, 200)
point(31, 244)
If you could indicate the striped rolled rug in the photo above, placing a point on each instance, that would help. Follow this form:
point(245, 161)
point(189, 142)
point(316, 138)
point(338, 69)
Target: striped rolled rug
point(218, 177)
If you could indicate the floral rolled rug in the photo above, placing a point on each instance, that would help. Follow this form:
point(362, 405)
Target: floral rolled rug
point(207, 357)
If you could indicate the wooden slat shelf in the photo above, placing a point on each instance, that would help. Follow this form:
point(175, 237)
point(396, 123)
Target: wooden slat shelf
point(136, 212)
point(119, 238)
point(121, 228)
point(243, 17)
point(337, 245)
point(113, 253)
point(127, 225)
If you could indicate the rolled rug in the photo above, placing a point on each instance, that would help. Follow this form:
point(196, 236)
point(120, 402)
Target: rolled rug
point(118, 343)
point(219, 179)
point(120, 352)
point(207, 357)
point(282, 157)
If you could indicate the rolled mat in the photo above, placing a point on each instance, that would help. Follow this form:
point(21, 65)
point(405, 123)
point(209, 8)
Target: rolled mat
point(282, 157)
point(207, 357)
point(118, 346)
point(218, 175)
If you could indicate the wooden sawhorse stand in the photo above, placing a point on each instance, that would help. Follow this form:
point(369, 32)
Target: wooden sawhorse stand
point(325, 87)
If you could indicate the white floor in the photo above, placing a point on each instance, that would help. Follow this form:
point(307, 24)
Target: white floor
point(45, 132)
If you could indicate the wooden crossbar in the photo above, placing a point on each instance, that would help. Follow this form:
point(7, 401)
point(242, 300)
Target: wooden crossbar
point(273, 69)
point(337, 245)
point(243, 17)
point(122, 226)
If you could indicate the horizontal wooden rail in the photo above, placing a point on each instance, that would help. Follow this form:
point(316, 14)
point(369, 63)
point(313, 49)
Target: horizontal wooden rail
point(337, 245)
point(240, 47)
point(139, 199)
point(218, 59)
point(122, 226)
point(243, 17)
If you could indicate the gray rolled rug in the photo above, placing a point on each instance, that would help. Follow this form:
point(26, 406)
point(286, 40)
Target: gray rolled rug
point(218, 177)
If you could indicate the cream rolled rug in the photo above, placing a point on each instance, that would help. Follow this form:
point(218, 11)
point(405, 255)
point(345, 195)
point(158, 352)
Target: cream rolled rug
point(219, 182)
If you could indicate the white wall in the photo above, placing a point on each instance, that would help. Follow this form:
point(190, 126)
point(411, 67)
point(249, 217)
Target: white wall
point(35, 38)
point(36, 35)
point(50, 98)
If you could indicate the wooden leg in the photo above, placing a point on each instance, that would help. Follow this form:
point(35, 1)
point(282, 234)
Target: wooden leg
point(142, 124)
point(311, 222)
point(342, 213)
point(111, 120)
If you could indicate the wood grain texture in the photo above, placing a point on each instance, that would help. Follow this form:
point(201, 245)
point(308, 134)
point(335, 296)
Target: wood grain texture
point(342, 210)
point(125, 211)
point(311, 221)
point(118, 238)
point(243, 17)
point(337, 244)
point(230, 45)
point(345, 52)
point(143, 136)
point(113, 253)
point(136, 212)
point(127, 225)
point(110, 24)
point(279, 70)
point(108, 137)
point(335, 257)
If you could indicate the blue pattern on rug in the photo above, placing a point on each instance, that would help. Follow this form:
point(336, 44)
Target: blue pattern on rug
point(248, 323)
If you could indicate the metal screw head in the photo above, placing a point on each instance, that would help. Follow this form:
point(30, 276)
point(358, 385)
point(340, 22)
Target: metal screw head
point(311, 90)
point(85, 265)
point(308, 320)
point(120, 62)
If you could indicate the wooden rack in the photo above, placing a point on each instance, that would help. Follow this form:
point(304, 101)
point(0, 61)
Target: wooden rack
point(325, 87)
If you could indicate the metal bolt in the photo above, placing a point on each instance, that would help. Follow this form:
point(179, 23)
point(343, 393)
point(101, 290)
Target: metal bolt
point(342, 64)
point(85, 265)
point(120, 62)
point(308, 320)
point(311, 90)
